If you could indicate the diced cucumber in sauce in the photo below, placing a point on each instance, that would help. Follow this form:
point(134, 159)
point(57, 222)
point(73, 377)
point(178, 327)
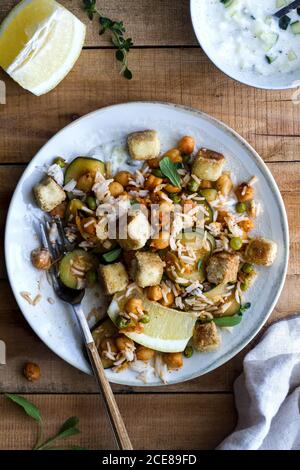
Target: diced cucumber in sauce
point(295, 27)
point(269, 39)
point(292, 55)
point(271, 59)
point(280, 3)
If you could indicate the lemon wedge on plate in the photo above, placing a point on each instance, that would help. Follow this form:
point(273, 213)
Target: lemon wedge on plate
point(40, 41)
point(168, 330)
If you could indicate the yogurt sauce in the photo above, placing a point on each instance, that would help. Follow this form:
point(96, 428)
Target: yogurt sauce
point(246, 36)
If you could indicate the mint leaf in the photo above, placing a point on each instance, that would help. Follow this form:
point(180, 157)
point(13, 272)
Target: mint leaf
point(169, 170)
point(29, 408)
point(228, 321)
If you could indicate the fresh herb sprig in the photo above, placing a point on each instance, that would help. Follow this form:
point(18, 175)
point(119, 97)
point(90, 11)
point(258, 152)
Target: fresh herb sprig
point(68, 429)
point(117, 30)
point(232, 320)
point(169, 170)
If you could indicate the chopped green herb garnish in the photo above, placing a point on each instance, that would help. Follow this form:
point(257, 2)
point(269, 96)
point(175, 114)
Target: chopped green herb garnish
point(169, 170)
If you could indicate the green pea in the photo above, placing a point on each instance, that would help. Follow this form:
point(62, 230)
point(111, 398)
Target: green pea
point(247, 268)
point(209, 194)
point(188, 352)
point(193, 186)
point(175, 198)
point(157, 173)
point(60, 161)
point(91, 278)
point(121, 322)
point(236, 243)
point(91, 202)
point(241, 207)
point(145, 318)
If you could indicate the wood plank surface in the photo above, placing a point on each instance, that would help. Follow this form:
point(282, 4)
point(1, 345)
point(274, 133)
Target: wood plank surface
point(198, 421)
point(161, 23)
point(270, 121)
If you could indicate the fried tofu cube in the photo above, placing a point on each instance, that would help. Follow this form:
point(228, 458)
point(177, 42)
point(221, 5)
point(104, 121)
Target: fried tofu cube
point(48, 194)
point(143, 145)
point(208, 165)
point(261, 251)
point(206, 337)
point(147, 269)
point(223, 267)
point(114, 277)
point(134, 232)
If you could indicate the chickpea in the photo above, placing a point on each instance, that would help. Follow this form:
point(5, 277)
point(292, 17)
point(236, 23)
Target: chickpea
point(246, 225)
point(169, 301)
point(144, 354)
point(152, 181)
point(108, 343)
point(32, 372)
point(154, 293)
point(173, 360)
point(153, 163)
point(172, 189)
point(222, 216)
point(41, 259)
point(85, 182)
point(186, 145)
point(206, 184)
point(244, 192)
point(115, 189)
point(122, 343)
point(89, 225)
point(161, 242)
point(134, 305)
point(123, 177)
point(174, 155)
point(59, 211)
point(224, 184)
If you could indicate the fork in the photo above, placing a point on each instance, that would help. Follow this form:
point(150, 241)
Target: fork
point(74, 298)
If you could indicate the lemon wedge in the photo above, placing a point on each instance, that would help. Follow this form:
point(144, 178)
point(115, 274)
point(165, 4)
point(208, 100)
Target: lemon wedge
point(40, 41)
point(168, 330)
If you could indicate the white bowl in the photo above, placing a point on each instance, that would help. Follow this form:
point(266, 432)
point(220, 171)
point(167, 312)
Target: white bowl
point(278, 81)
point(54, 323)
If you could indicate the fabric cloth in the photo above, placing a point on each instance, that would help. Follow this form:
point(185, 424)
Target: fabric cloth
point(267, 394)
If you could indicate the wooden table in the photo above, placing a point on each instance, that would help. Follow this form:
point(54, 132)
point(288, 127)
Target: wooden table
point(169, 66)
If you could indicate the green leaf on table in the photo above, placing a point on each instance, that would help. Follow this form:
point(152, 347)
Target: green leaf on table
point(70, 423)
point(112, 255)
point(29, 408)
point(169, 170)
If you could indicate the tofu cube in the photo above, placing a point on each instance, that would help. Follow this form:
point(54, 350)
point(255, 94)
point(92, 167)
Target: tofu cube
point(48, 194)
point(261, 251)
point(114, 277)
point(222, 268)
point(147, 269)
point(208, 165)
point(143, 145)
point(206, 337)
point(134, 232)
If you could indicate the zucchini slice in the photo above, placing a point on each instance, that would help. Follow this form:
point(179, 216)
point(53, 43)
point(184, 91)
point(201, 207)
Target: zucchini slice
point(81, 166)
point(74, 266)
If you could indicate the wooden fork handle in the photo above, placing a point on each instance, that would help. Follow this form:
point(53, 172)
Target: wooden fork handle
point(114, 414)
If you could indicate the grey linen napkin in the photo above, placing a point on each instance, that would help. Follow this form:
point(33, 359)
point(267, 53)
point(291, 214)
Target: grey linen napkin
point(267, 393)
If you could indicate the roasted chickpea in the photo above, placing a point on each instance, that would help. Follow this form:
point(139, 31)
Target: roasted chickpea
point(153, 163)
point(186, 145)
point(32, 371)
point(89, 225)
point(41, 259)
point(85, 182)
point(244, 192)
point(154, 293)
point(122, 343)
point(59, 211)
point(173, 360)
point(144, 354)
point(116, 189)
point(222, 216)
point(246, 225)
point(123, 177)
point(161, 242)
point(170, 188)
point(169, 301)
point(224, 184)
point(134, 305)
point(174, 155)
point(206, 184)
point(152, 181)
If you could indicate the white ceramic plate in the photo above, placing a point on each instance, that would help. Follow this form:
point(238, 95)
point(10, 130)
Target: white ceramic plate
point(278, 81)
point(54, 323)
